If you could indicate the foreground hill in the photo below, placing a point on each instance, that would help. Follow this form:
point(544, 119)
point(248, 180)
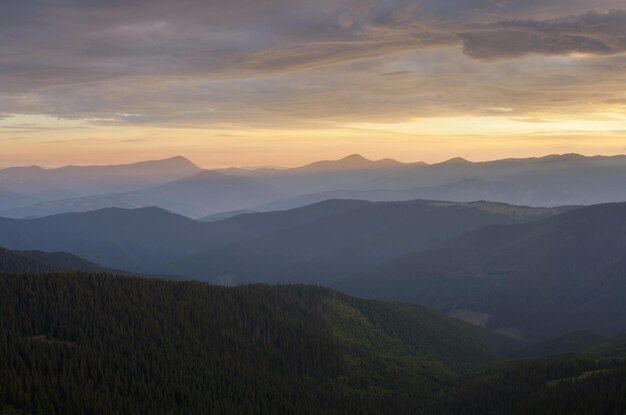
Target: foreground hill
point(576, 342)
point(129, 345)
point(538, 279)
point(39, 262)
point(573, 384)
point(144, 240)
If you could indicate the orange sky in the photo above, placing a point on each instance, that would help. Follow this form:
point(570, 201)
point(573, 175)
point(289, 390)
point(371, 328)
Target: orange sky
point(51, 142)
point(289, 82)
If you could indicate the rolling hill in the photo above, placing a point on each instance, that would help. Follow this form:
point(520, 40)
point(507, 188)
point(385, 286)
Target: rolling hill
point(225, 215)
point(150, 240)
point(142, 240)
point(117, 238)
point(337, 246)
point(467, 190)
point(537, 279)
point(35, 262)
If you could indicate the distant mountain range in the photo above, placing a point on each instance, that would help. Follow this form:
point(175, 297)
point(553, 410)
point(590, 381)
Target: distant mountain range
point(180, 186)
point(71, 181)
point(192, 196)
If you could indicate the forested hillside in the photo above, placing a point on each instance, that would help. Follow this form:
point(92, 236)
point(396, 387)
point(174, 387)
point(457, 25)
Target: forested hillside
point(83, 343)
point(581, 384)
point(95, 343)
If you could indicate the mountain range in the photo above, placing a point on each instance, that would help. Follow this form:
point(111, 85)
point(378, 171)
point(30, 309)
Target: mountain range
point(182, 187)
point(192, 196)
point(71, 181)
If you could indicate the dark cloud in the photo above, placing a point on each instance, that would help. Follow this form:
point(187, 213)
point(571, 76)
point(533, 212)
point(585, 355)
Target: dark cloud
point(592, 33)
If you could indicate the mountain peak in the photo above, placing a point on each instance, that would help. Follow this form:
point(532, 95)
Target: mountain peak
point(179, 159)
point(354, 158)
point(456, 160)
point(352, 162)
point(564, 157)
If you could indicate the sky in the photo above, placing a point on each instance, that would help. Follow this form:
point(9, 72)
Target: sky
point(286, 82)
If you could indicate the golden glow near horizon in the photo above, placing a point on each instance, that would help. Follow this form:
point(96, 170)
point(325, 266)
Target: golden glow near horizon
point(230, 84)
point(51, 142)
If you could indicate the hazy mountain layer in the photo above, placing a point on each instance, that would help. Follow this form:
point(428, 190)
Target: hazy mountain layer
point(89, 180)
point(179, 186)
point(203, 193)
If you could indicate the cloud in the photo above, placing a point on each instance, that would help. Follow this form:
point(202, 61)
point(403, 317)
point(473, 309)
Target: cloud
point(286, 63)
point(592, 33)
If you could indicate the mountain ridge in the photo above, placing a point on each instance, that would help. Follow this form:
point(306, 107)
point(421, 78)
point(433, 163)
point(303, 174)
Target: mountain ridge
point(531, 276)
point(37, 262)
